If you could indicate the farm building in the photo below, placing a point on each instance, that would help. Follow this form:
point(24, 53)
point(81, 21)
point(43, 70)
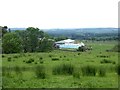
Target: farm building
point(68, 43)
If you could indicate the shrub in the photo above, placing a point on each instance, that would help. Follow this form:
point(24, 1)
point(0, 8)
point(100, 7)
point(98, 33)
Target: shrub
point(113, 62)
point(82, 48)
point(106, 61)
point(23, 60)
point(3, 56)
point(63, 69)
point(40, 58)
point(89, 70)
point(102, 71)
point(9, 59)
point(55, 58)
point(30, 60)
point(78, 53)
point(50, 55)
point(40, 72)
point(41, 62)
point(35, 62)
point(15, 56)
point(64, 56)
point(60, 56)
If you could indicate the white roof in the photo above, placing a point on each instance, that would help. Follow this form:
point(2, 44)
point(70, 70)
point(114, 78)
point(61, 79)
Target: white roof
point(65, 41)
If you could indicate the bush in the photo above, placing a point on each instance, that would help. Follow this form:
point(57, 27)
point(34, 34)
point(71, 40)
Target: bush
point(82, 48)
point(50, 55)
point(55, 58)
point(9, 59)
point(78, 53)
point(15, 56)
point(106, 61)
point(3, 56)
point(60, 56)
point(89, 70)
point(102, 71)
point(40, 72)
point(40, 58)
point(113, 62)
point(23, 60)
point(30, 60)
point(63, 69)
point(35, 62)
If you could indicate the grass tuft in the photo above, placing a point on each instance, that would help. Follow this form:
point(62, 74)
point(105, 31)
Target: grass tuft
point(63, 69)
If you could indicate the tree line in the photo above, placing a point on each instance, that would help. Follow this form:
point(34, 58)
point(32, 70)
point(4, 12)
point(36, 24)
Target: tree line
point(29, 40)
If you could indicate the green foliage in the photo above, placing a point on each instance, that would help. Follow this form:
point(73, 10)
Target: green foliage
point(40, 72)
point(89, 70)
point(63, 69)
point(106, 61)
point(11, 43)
point(82, 48)
point(9, 59)
point(45, 45)
point(30, 60)
point(4, 30)
point(55, 59)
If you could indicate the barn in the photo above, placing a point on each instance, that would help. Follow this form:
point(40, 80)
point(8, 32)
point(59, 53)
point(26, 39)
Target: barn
point(68, 43)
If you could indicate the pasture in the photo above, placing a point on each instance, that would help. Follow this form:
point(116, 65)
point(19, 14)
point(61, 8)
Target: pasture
point(62, 69)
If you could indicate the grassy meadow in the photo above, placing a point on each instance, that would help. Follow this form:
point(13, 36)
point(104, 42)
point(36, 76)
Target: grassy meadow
point(96, 68)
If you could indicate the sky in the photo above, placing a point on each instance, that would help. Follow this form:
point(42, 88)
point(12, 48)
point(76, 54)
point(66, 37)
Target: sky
point(47, 14)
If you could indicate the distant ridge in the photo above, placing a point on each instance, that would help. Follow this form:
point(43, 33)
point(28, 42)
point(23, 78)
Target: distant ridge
point(17, 29)
point(75, 30)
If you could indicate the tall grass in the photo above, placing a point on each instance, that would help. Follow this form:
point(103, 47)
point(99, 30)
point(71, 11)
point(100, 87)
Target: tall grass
point(18, 70)
point(102, 71)
point(118, 69)
point(63, 69)
point(89, 70)
point(40, 72)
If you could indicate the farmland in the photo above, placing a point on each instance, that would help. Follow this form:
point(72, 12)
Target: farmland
point(96, 68)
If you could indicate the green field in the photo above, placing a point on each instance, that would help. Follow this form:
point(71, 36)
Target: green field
point(23, 70)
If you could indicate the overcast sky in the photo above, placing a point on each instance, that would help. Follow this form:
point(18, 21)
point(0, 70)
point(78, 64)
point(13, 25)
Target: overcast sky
point(46, 14)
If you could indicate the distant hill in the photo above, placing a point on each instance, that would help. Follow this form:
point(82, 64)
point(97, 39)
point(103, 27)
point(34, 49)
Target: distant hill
point(14, 29)
point(82, 30)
